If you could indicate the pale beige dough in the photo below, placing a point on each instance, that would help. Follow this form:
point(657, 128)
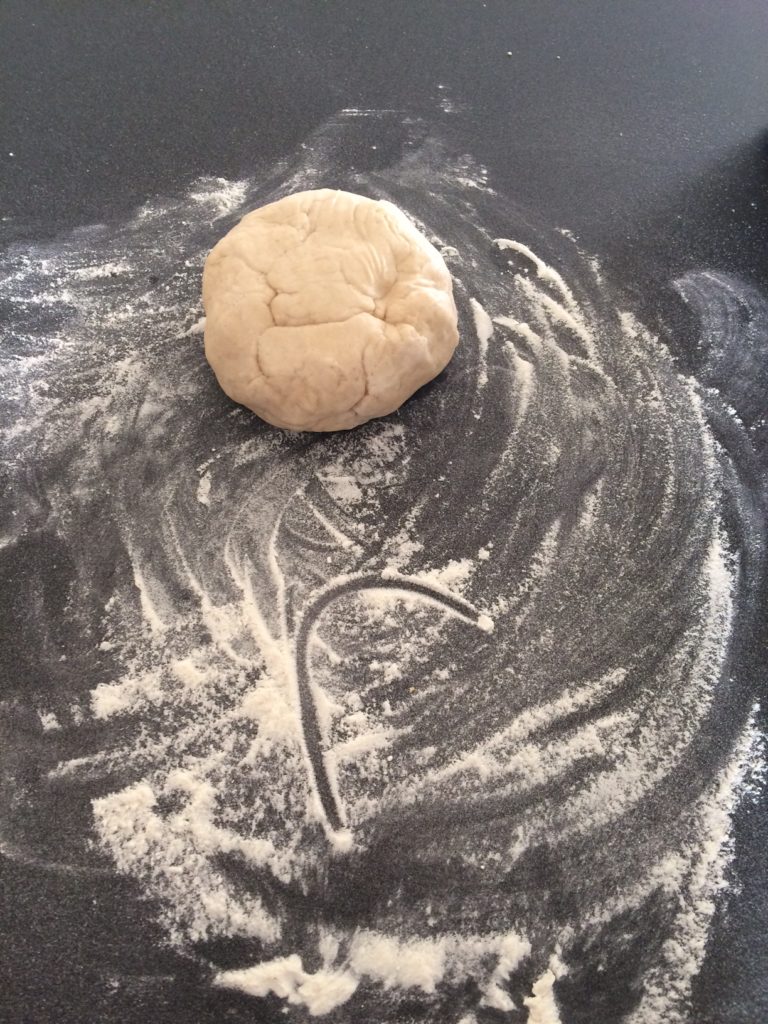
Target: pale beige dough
point(326, 309)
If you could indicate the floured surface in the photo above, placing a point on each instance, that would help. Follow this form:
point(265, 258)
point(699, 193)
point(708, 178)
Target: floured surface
point(452, 711)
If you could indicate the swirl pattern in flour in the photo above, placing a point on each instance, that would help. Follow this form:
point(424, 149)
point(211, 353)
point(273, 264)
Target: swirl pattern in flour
point(448, 711)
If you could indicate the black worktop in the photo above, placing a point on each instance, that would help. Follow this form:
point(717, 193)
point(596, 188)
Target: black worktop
point(642, 127)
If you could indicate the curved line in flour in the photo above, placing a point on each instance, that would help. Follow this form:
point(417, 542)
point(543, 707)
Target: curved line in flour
point(320, 777)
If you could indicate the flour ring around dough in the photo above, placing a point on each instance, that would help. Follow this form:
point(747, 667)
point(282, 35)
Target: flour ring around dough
point(326, 309)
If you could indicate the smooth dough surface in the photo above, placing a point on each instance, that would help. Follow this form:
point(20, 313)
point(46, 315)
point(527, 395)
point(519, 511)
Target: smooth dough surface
point(325, 309)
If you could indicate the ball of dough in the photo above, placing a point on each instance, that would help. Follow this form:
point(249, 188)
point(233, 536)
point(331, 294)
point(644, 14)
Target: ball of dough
point(326, 309)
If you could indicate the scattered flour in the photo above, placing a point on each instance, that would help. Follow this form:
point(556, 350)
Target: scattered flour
point(542, 1004)
point(204, 489)
point(484, 331)
point(320, 992)
point(550, 677)
point(416, 964)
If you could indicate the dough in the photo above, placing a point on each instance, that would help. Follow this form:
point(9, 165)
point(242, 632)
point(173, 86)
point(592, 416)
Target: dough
point(326, 309)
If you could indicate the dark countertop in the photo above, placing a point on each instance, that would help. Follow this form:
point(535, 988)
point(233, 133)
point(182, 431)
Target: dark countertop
point(609, 118)
point(642, 127)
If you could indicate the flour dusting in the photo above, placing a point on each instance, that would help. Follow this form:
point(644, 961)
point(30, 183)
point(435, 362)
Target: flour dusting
point(446, 716)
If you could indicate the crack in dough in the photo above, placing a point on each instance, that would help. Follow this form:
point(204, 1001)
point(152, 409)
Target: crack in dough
point(341, 304)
